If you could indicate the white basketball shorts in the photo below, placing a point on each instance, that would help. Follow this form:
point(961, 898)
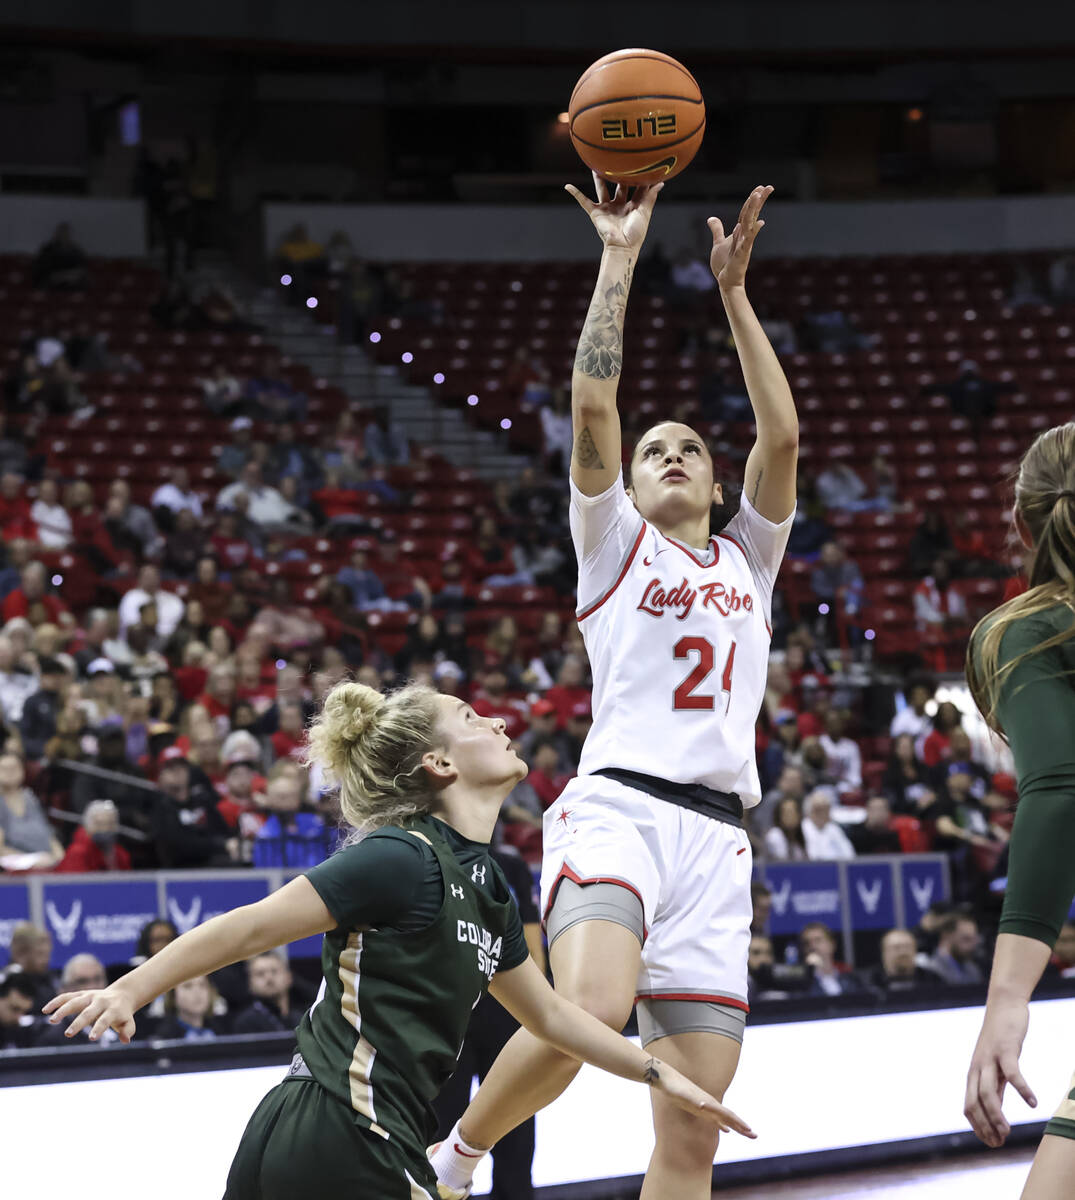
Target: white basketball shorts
point(690, 872)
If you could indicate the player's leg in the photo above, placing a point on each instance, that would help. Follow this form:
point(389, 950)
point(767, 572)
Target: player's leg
point(1052, 1171)
point(682, 1160)
point(1054, 1164)
point(595, 965)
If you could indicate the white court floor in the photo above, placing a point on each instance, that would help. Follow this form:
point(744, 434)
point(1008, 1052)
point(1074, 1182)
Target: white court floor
point(988, 1175)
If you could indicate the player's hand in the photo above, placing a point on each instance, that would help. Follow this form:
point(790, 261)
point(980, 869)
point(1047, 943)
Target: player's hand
point(621, 223)
point(994, 1065)
point(730, 256)
point(693, 1099)
point(99, 1008)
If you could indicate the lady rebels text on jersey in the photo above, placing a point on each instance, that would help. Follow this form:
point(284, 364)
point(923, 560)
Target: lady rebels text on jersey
point(678, 640)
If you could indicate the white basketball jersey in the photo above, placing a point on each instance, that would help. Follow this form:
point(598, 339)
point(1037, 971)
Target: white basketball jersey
point(678, 642)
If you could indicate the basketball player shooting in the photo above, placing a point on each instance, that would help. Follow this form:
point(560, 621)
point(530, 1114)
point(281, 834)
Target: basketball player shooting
point(646, 873)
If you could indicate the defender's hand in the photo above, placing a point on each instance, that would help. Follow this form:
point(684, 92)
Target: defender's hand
point(994, 1065)
point(100, 1008)
point(621, 223)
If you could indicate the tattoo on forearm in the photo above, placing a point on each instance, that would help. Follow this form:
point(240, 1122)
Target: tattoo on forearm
point(600, 352)
point(586, 454)
point(757, 484)
point(650, 1074)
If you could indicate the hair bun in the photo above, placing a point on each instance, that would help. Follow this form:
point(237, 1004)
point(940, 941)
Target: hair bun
point(350, 712)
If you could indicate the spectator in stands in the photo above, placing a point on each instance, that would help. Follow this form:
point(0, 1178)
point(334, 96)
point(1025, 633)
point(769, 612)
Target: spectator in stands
point(840, 487)
point(971, 395)
point(30, 952)
point(50, 518)
point(1061, 278)
point(276, 1006)
point(875, 835)
point(169, 607)
point(32, 599)
point(243, 795)
point(556, 434)
point(824, 839)
point(761, 962)
point(912, 717)
point(289, 741)
point(791, 785)
point(16, 521)
point(234, 456)
point(492, 700)
point(221, 390)
point(690, 276)
point(176, 495)
point(18, 1006)
point(24, 828)
point(41, 708)
point(135, 519)
point(263, 505)
point(188, 828)
point(761, 900)
point(940, 617)
point(906, 780)
point(955, 960)
point(837, 580)
point(579, 723)
point(290, 836)
point(385, 443)
point(937, 744)
point(367, 590)
point(15, 456)
point(297, 250)
point(843, 756)
point(152, 939)
point(570, 688)
point(95, 846)
point(833, 332)
point(929, 542)
point(817, 950)
point(131, 799)
point(16, 685)
point(60, 262)
point(547, 774)
point(270, 396)
point(898, 971)
point(784, 842)
point(188, 1012)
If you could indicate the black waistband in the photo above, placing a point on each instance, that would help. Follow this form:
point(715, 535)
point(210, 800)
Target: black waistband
point(721, 806)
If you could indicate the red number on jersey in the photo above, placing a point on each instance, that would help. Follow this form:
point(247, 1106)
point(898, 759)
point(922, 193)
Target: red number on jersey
point(684, 697)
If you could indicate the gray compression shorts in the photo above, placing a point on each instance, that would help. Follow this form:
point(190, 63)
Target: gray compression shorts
point(657, 1017)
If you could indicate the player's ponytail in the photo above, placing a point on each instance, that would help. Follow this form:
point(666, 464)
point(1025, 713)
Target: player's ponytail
point(372, 745)
point(1045, 500)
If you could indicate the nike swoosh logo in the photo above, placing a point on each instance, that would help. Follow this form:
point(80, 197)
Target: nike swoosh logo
point(459, 1150)
point(667, 163)
point(648, 562)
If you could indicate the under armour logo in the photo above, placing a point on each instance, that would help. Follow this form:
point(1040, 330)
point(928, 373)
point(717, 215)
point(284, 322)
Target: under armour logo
point(477, 875)
point(65, 927)
point(457, 892)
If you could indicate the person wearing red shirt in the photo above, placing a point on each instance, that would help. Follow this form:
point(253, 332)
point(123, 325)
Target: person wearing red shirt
point(493, 701)
point(568, 690)
point(94, 846)
point(289, 741)
point(15, 519)
point(243, 794)
point(31, 600)
point(219, 694)
point(546, 776)
point(210, 589)
point(936, 746)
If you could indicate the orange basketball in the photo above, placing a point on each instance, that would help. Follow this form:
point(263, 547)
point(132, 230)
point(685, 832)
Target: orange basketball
point(637, 116)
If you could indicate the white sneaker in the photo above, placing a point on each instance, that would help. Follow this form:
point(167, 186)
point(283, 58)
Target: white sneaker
point(443, 1190)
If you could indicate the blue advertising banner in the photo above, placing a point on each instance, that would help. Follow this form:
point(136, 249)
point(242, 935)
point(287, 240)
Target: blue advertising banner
point(923, 884)
point(870, 894)
point(189, 902)
point(103, 919)
point(803, 892)
point(14, 907)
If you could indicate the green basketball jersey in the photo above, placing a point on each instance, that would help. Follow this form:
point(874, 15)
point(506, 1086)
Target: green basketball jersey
point(388, 1024)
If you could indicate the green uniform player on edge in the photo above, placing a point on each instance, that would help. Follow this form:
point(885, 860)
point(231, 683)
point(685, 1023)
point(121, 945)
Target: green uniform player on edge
point(1021, 670)
point(418, 922)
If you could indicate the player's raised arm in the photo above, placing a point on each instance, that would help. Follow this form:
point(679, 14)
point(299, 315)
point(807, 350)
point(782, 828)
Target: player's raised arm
point(769, 482)
point(621, 224)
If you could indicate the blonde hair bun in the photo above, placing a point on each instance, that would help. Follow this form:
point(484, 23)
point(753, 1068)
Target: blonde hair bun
point(349, 714)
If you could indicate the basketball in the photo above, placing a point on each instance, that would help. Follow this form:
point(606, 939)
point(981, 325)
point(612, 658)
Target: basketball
point(636, 117)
